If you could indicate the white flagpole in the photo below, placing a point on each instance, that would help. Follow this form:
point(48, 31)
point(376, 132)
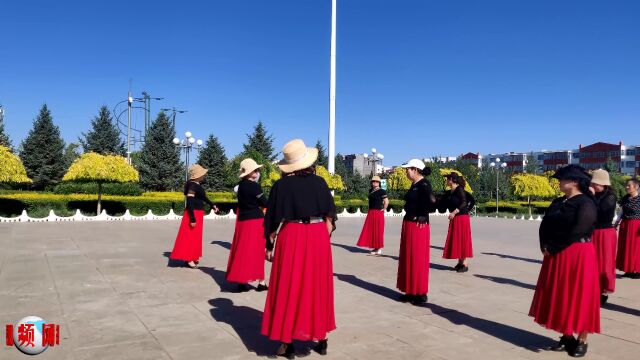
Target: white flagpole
point(332, 92)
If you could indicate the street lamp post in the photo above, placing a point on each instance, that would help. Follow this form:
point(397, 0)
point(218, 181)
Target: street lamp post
point(497, 165)
point(186, 144)
point(375, 158)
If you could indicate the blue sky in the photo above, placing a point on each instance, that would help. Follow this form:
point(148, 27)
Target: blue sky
point(415, 77)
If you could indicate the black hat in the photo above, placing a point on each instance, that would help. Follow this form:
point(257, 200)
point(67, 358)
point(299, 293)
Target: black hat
point(571, 172)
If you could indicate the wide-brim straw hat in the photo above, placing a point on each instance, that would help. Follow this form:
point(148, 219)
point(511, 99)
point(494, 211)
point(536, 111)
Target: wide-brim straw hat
point(600, 177)
point(196, 171)
point(247, 166)
point(376, 178)
point(297, 156)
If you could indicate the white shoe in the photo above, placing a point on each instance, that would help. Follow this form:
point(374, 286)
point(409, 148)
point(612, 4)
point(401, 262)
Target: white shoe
point(373, 252)
point(379, 252)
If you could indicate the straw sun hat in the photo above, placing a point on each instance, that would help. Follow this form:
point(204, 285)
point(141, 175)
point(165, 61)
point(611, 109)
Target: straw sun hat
point(297, 156)
point(196, 171)
point(247, 166)
point(600, 177)
point(376, 178)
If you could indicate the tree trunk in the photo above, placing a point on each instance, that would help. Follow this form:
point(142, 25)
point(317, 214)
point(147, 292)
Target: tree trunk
point(99, 198)
point(529, 203)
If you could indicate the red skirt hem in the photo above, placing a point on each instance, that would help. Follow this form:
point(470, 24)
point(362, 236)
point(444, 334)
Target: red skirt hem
point(413, 265)
point(299, 303)
point(605, 241)
point(188, 245)
point(246, 257)
point(567, 296)
point(459, 244)
point(628, 259)
point(372, 235)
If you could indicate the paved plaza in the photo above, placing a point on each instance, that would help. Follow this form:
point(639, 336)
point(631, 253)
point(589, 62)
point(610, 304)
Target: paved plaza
point(109, 286)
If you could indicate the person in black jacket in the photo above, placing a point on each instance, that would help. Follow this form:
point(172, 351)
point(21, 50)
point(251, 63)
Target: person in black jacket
point(247, 255)
point(459, 202)
point(372, 234)
point(188, 245)
point(604, 235)
point(300, 218)
point(413, 264)
point(567, 296)
point(628, 258)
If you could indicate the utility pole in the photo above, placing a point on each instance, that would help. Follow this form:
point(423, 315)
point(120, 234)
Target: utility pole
point(332, 93)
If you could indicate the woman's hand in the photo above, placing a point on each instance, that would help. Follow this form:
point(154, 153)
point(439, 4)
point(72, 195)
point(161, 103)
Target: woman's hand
point(215, 209)
point(422, 221)
point(269, 255)
point(545, 252)
point(192, 225)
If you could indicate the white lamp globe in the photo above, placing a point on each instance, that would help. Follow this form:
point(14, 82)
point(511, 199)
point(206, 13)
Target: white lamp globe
point(176, 141)
point(380, 156)
point(199, 142)
point(187, 134)
point(497, 160)
point(365, 155)
point(373, 150)
point(492, 164)
point(503, 165)
point(192, 140)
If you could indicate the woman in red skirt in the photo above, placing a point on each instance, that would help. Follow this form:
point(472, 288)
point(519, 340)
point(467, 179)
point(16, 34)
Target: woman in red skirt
point(413, 264)
point(246, 258)
point(604, 236)
point(372, 235)
point(299, 302)
point(567, 296)
point(188, 245)
point(459, 203)
point(629, 236)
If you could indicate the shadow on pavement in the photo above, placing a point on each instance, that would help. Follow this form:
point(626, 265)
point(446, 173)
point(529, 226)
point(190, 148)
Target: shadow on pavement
point(504, 256)
point(246, 322)
point(224, 244)
point(172, 262)
point(355, 249)
point(622, 309)
point(219, 277)
point(518, 337)
point(501, 280)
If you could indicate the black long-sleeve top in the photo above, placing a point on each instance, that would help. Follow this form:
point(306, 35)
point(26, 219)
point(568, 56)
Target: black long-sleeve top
point(567, 221)
point(457, 199)
point(251, 199)
point(376, 199)
point(197, 201)
point(297, 197)
point(630, 207)
point(419, 202)
point(606, 203)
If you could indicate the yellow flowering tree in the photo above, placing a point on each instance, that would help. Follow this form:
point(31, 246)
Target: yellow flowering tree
point(333, 181)
point(11, 169)
point(555, 184)
point(445, 172)
point(398, 180)
point(101, 169)
point(528, 185)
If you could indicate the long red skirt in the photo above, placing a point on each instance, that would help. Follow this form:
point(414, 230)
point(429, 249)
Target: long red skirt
point(628, 259)
point(188, 246)
point(458, 244)
point(605, 242)
point(246, 258)
point(300, 298)
point(372, 235)
point(567, 297)
point(413, 266)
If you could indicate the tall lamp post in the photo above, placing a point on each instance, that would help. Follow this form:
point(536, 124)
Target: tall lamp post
point(375, 158)
point(187, 144)
point(497, 165)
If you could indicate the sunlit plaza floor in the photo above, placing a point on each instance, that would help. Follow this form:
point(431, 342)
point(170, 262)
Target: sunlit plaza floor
point(109, 286)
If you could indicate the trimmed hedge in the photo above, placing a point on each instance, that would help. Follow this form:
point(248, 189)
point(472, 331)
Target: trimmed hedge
point(513, 207)
point(125, 189)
